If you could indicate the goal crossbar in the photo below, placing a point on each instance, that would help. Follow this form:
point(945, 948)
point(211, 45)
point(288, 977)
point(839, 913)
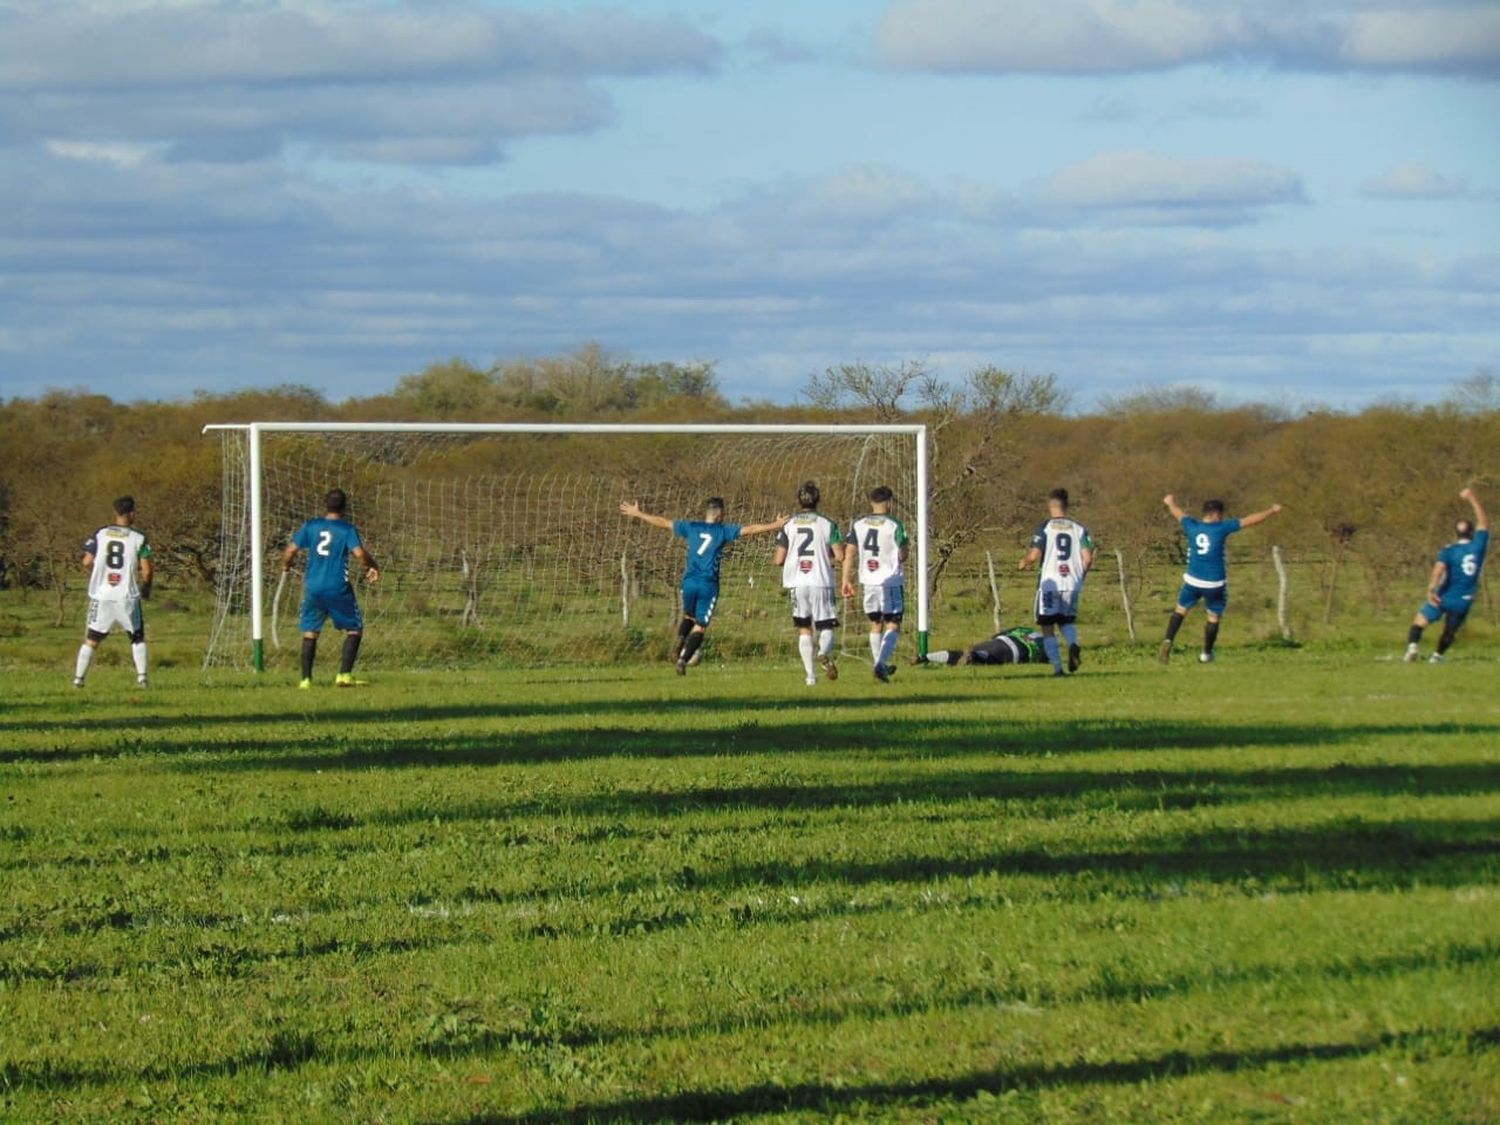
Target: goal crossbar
point(254, 432)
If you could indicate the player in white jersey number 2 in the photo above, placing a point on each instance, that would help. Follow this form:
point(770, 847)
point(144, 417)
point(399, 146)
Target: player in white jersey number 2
point(1065, 552)
point(808, 547)
point(118, 560)
point(877, 543)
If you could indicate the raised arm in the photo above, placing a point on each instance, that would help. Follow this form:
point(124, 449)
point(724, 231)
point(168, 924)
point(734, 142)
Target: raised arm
point(763, 528)
point(372, 572)
point(1259, 517)
point(1481, 519)
point(1171, 502)
point(632, 508)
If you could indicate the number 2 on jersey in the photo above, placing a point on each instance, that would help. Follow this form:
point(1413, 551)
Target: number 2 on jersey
point(805, 536)
point(324, 539)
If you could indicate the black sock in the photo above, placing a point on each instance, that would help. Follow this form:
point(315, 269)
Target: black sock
point(1210, 635)
point(1414, 635)
point(1174, 622)
point(309, 650)
point(351, 651)
point(691, 645)
point(684, 627)
point(1446, 639)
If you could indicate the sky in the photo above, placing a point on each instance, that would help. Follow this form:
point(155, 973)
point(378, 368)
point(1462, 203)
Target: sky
point(1267, 199)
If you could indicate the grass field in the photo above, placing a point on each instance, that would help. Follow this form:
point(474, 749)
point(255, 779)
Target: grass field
point(1269, 888)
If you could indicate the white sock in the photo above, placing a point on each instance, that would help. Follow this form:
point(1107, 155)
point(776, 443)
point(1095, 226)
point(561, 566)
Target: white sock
point(938, 656)
point(138, 654)
point(875, 647)
point(805, 646)
point(85, 658)
point(1049, 644)
point(1070, 633)
point(888, 646)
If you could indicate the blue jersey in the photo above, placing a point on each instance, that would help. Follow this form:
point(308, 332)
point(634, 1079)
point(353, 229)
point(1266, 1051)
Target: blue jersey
point(705, 547)
point(1205, 551)
point(328, 544)
point(1464, 561)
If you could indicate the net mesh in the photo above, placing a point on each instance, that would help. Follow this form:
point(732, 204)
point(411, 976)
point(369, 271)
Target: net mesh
point(511, 548)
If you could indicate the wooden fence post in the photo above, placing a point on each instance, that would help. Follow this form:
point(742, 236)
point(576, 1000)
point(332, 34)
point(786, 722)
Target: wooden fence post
point(994, 588)
point(1281, 594)
point(1125, 595)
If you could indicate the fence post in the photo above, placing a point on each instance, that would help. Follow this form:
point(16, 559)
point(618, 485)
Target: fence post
point(1125, 595)
point(1281, 594)
point(624, 589)
point(994, 588)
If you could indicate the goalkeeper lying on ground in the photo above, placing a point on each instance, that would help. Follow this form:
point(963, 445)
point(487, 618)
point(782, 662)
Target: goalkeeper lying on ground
point(1021, 645)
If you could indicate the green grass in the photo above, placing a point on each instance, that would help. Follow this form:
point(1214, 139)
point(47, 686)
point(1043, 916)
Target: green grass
point(1262, 889)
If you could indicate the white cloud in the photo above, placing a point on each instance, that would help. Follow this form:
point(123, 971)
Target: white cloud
point(1172, 189)
point(446, 82)
point(1414, 180)
point(1118, 36)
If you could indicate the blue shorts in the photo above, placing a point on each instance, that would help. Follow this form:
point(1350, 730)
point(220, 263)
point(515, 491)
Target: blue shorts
point(1456, 612)
point(1215, 599)
point(340, 605)
point(698, 601)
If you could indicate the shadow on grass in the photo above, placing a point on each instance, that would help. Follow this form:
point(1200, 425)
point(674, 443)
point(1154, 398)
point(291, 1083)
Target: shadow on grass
point(712, 1105)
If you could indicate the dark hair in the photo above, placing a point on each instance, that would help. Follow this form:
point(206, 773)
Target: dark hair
point(1060, 495)
point(124, 505)
point(808, 495)
point(880, 494)
point(1212, 506)
point(335, 501)
point(1465, 529)
point(715, 502)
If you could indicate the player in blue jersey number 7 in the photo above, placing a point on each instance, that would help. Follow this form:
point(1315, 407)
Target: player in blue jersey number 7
point(706, 539)
point(1454, 582)
point(330, 541)
point(1207, 577)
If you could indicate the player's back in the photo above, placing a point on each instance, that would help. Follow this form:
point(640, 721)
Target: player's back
point(1464, 560)
point(117, 552)
point(880, 540)
point(1061, 541)
point(1206, 540)
point(808, 538)
point(328, 543)
point(705, 547)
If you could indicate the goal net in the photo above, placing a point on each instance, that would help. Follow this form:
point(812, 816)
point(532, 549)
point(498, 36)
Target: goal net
point(505, 544)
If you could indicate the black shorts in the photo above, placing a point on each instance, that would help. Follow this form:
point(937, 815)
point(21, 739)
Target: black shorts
point(999, 650)
point(1055, 618)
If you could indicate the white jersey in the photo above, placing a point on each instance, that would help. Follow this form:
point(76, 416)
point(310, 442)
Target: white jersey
point(809, 540)
point(117, 552)
point(879, 541)
point(1062, 542)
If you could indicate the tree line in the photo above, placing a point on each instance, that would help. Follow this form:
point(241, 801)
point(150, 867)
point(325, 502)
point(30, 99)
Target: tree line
point(1377, 487)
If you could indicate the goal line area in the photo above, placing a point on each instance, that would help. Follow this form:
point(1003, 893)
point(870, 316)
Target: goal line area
point(504, 543)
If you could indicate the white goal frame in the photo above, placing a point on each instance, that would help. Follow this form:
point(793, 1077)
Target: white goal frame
point(255, 431)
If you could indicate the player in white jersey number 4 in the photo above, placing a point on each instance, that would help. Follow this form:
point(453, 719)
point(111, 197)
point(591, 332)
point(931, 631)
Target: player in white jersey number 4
point(877, 543)
point(808, 547)
point(1065, 552)
point(118, 560)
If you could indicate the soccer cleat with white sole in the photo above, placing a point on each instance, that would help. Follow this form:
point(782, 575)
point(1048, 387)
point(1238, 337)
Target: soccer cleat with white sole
point(830, 669)
point(1435, 658)
point(1413, 654)
point(811, 681)
point(1205, 658)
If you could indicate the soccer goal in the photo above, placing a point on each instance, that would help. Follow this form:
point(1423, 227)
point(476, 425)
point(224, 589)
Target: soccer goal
point(504, 543)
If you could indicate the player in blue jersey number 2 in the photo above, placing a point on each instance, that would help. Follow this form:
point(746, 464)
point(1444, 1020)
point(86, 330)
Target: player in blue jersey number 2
point(1454, 582)
point(706, 539)
point(1207, 577)
point(330, 542)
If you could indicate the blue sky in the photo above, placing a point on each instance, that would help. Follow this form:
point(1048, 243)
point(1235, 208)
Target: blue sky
point(1269, 200)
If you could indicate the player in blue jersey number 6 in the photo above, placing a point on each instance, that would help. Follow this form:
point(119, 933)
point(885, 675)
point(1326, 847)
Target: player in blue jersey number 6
point(1207, 577)
point(1454, 582)
point(706, 539)
point(326, 591)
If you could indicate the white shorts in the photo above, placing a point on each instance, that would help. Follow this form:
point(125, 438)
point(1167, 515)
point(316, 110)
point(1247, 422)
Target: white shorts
point(811, 604)
point(885, 601)
point(1056, 602)
point(123, 615)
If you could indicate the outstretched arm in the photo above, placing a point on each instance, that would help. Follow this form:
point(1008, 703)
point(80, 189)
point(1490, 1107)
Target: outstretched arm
point(1259, 517)
point(1481, 519)
point(1171, 502)
point(632, 508)
point(763, 528)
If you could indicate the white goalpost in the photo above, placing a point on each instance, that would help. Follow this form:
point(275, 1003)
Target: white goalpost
point(504, 540)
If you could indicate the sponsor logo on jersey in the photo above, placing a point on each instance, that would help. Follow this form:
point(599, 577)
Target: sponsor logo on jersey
point(114, 578)
point(872, 564)
point(805, 566)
